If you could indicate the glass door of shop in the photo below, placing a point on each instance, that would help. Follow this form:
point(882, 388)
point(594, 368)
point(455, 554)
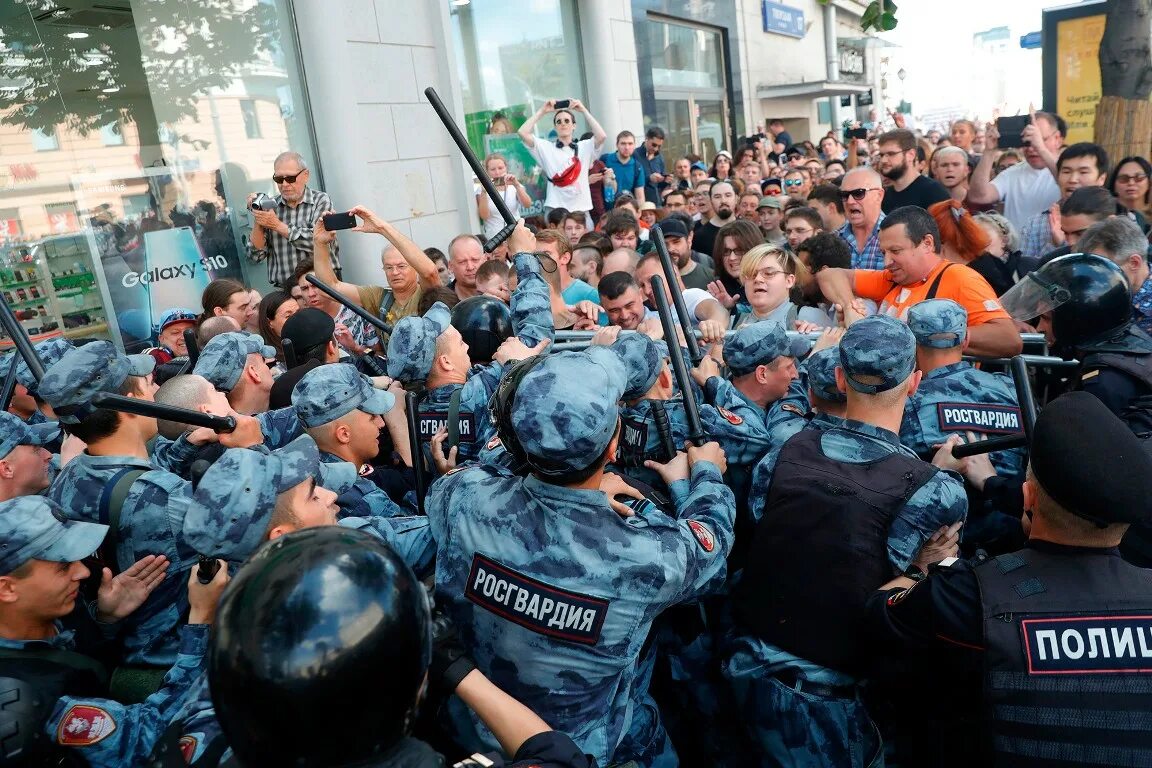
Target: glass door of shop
point(693, 123)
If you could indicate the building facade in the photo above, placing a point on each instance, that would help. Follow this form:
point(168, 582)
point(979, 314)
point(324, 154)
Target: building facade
point(132, 131)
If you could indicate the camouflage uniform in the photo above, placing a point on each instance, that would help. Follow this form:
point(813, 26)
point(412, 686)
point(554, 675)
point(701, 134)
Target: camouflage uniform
point(223, 358)
point(49, 351)
point(554, 594)
point(412, 349)
point(328, 393)
point(104, 732)
point(796, 728)
point(14, 431)
point(279, 427)
point(152, 515)
point(793, 412)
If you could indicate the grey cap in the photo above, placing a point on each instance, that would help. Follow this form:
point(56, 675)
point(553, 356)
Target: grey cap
point(412, 345)
point(328, 392)
point(644, 359)
point(69, 385)
point(233, 502)
point(755, 345)
point(938, 323)
point(49, 351)
point(821, 367)
point(878, 347)
point(223, 358)
point(565, 410)
point(14, 431)
point(34, 528)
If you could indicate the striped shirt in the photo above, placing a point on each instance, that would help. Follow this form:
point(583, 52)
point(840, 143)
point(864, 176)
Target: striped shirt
point(284, 253)
point(870, 257)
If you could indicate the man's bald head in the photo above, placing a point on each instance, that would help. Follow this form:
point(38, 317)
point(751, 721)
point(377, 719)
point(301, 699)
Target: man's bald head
point(213, 327)
point(621, 260)
point(861, 176)
point(192, 392)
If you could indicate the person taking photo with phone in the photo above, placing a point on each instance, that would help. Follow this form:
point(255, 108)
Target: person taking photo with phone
point(1028, 187)
point(282, 225)
point(565, 160)
point(509, 188)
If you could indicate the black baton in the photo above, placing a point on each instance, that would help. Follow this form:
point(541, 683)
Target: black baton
point(9, 387)
point(360, 312)
point(683, 380)
point(410, 405)
point(289, 353)
point(477, 168)
point(207, 567)
point(193, 347)
point(141, 407)
point(1019, 368)
point(20, 338)
point(670, 274)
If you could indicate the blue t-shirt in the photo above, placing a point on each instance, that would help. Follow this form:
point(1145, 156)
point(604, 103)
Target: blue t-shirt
point(629, 176)
point(579, 291)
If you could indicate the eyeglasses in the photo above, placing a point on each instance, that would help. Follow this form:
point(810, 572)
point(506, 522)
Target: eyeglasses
point(891, 154)
point(732, 252)
point(767, 274)
point(1135, 178)
point(856, 194)
point(562, 121)
point(289, 179)
point(793, 182)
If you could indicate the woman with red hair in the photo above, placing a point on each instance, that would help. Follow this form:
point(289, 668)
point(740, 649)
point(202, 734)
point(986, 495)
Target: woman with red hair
point(962, 239)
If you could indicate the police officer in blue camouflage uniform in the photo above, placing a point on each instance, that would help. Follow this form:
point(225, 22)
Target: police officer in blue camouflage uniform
point(338, 406)
point(839, 512)
point(26, 465)
point(428, 351)
point(813, 399)
point(955, 398)
point(554, 593)
point(114, 480)
point(236, 364)
point(49, 351)
point(56, 710)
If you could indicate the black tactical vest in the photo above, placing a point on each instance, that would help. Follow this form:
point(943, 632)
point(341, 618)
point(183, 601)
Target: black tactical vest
point(1068, 659)
point(1138, 366)
point(822, 548)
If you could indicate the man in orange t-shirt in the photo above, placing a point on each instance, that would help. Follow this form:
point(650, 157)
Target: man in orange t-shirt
point(913, 272)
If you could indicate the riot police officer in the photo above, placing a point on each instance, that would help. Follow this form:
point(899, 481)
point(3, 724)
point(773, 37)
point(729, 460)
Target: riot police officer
point(484, 323)
point(1059, 629)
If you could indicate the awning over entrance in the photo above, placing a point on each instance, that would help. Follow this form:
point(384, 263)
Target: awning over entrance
point(816, 89)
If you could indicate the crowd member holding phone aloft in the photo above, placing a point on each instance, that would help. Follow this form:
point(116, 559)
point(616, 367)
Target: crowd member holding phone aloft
point(565, 161)
point(282, 225)
point(1028, 187)
point(509, 188)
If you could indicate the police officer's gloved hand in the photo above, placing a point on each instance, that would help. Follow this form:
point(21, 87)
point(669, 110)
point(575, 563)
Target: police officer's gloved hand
point(450, 664)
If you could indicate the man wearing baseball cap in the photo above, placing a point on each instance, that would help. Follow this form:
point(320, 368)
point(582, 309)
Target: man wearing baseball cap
point(170, 334)
point(695, 268)
point(56, 714)
point(237, 364)
point(839, 511)
point(25, 464)
point(338, 406)
point(49, 351)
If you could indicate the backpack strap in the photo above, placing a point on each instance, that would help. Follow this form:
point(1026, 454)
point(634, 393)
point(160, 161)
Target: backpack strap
point(111, 505)
point(936, 283)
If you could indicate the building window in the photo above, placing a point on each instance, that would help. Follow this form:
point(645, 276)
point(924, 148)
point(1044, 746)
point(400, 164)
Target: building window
point(684, 56)
point(44, 141)
point(513, 56)
point(112, 135)
point(251, 119)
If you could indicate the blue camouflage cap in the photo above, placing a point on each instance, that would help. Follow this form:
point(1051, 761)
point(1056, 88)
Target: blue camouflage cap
point(233, 502)
point(938, 323)
point(644, 359)
point(223, 358)
point(412, 346)
point(821, 367)
point(565, 410)
point(34, 528)
point(755, 345)
point(69, 385)
point(328, 392)
point(49, 351)
point(14, 431)
point(878, 347)
point(177, 315)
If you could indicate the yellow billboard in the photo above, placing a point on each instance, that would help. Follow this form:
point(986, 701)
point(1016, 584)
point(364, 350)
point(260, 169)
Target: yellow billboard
point(1078, 74)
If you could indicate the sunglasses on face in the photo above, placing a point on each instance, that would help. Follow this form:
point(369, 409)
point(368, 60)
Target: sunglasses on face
point(793, 182)
point(856, 194)
point(1135, 178)
point(289, 179)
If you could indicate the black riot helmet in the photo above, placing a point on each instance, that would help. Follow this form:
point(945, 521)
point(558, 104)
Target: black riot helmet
point(1088, 297)
point(484, 322)
point(319, 651)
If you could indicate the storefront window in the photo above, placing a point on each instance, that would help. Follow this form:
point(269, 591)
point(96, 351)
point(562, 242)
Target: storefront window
point(684, 56)
point(514, 56)
point(145, 124)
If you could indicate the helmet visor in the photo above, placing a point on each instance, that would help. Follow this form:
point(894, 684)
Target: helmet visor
point(1033, 297)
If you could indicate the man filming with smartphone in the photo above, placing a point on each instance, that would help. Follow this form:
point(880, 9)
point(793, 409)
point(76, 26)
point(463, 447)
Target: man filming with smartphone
point(564, 160)
point(282, 225)
point(1026, 188)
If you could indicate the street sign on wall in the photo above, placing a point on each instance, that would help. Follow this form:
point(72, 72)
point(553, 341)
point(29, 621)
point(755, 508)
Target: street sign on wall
point(780, 19)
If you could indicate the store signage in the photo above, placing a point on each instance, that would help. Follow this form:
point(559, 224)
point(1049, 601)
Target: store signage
point(780, 19)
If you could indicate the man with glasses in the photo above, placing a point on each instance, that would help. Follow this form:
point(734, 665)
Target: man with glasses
point(898, 164)
point(283, 235)
point(797, 185)
point(565, 161)
point(1028, 187)
point(863, 194)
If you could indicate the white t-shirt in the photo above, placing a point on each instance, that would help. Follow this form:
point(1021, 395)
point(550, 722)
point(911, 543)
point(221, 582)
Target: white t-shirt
point(692, 299)
point(554, 160)
point(1026, 192)
point(495, 222)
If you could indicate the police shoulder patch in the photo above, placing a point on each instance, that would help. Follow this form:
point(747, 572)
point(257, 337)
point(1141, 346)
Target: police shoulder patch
point(365, 470)
point(1089, 375)
point(188, 746)
point(703, 534)
point(454, 470)
point(493, 444)
point(731, 418)
point(900, 596)
point(84, 725)
point(793, 408)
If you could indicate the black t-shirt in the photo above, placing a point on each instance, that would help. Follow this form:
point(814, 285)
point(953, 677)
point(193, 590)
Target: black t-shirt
point(922, 192)
point(704, 237)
